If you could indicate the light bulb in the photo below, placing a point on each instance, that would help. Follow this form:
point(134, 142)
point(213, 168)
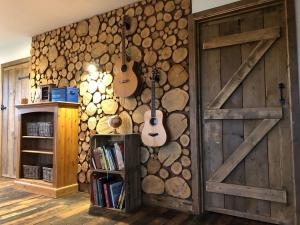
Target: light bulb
point(92, 68)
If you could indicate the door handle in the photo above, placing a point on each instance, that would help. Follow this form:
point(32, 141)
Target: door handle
point(281, 86)
point(3, 107)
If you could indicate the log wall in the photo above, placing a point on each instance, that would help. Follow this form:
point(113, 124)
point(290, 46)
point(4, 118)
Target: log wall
point(158, 38)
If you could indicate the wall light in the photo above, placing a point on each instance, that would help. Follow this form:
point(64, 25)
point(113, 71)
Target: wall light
point(92, 68)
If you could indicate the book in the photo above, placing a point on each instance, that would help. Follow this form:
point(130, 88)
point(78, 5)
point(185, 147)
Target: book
point(94, 164)
point(121, 205)
point(100, 158)
point(120, 197)
point(95, 191)
point(113, 153)
point(106, 194)
point(121, 145)
point(103, 157)
point(109, 158)
point(113, 158)
point(101, 200)
point(119, 156)
point(115, 191)
point(96, 157)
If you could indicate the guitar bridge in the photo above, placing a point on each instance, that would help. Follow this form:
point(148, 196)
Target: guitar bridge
point(124, 81)
point(153, 134)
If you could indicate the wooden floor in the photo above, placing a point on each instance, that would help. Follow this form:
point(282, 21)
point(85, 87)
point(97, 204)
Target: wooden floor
point(18, 207)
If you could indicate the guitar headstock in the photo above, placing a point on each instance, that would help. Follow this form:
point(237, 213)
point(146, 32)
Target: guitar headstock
point(126, 22)
point(155, 75)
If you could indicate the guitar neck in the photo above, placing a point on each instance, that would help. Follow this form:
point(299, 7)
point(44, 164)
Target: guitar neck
point(153, 109)
point(123, 45)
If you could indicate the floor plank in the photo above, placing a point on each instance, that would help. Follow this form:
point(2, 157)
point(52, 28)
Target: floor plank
point(19, 208)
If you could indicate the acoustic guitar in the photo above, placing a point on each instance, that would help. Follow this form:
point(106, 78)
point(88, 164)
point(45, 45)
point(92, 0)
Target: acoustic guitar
point(153, 133)
point(125, 80)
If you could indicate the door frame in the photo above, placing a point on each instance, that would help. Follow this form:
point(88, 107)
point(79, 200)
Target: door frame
point(2, 69)
point(195, 102)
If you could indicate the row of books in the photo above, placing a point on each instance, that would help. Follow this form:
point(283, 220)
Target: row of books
point(107, 192)
point(109, 157)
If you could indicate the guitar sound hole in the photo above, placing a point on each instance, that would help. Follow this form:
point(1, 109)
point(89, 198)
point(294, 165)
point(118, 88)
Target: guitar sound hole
point(153, 121)
point(124, 68)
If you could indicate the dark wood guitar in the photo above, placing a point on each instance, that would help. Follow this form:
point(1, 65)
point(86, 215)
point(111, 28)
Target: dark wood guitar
point(153, 134)
point(125, 80)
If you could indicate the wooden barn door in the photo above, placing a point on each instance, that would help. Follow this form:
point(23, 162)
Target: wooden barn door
point(246, 139)
point(15, 85)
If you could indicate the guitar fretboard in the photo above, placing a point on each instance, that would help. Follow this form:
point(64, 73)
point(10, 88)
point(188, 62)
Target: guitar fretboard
point(153, 109)
point(123, 44)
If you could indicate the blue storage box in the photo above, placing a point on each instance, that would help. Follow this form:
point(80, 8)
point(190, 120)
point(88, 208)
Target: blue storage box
point(66, 94)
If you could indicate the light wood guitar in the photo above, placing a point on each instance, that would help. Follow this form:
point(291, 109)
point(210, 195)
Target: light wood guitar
point(125, 80)
point(153, 133)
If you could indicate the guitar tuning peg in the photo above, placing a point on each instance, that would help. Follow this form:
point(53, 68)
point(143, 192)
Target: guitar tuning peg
point(127, 22)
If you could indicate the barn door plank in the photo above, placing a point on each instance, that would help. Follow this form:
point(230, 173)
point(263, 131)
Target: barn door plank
point(212, 139)
point(20, 71)
point(279, 141)
point(244, 149)
point(243, 113)
point(5, 94)
point(265, 194)
point(17, 100)
point(242, 38)
point(11, 123)
point(230, 61)
point(243, 71)
point(256, 163)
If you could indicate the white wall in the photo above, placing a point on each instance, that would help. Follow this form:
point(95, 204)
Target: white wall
point(200, 5)
point(19, 50)
point(19, 20)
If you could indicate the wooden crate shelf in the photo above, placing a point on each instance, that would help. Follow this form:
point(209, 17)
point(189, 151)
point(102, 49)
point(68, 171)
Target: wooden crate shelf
point(96, 209)
point(58, 151)
point(121, 172)
point(130, 175)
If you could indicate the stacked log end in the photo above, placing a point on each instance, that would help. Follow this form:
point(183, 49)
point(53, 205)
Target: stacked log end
point(158, 38)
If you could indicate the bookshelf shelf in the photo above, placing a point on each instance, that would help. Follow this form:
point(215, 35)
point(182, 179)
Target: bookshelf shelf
point(46, 152)
point(104, 181)
point(37, 137)
point(33, 182)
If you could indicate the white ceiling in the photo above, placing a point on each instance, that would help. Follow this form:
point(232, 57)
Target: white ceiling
point(22, 19)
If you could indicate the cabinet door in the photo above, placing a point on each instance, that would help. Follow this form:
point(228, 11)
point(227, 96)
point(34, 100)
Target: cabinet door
point(247, 150)
point(15, 85)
